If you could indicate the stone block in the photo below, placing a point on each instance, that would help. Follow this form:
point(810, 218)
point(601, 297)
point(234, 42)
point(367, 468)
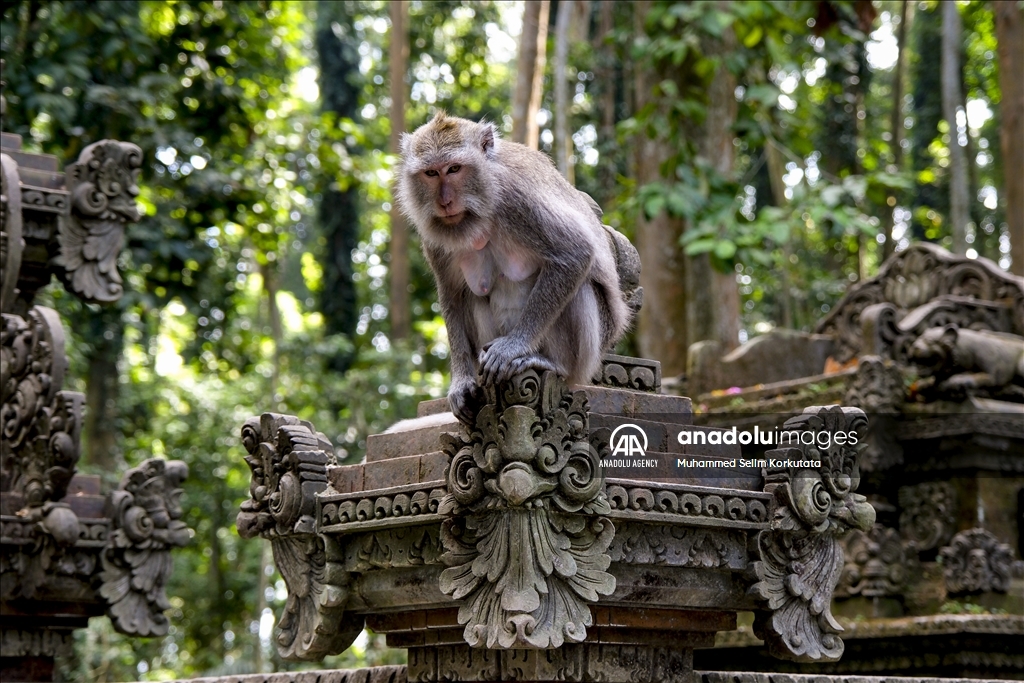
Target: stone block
point(608, 401)
point(664, 408)
point(382, 474)
point(346, 478)
point(434, 406)
point(87, 484)
point(400, 444)
point(432, 466)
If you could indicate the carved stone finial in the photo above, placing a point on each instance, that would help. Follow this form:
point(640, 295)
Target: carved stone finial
point(976, 562)
point(40, 423)
point(146, 525)
point(103, 188)
point(525, 540)
point(289, 459)
point(801, 558)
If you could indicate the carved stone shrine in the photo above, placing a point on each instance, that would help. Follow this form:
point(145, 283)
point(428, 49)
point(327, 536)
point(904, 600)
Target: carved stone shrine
point(933, 350)
point(505, 551)
point(68, 552)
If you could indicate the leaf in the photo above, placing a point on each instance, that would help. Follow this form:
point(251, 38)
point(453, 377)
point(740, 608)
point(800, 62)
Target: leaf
point(654, 205)
point(725, 249)
point(754, 37)
point(701, 246)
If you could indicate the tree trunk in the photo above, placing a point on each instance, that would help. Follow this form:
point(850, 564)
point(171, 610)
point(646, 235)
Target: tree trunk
point(338, 213)
point(896, 126)
point(401, 319)
point(1010, 34)
point(959, 201)
point(101, 394)
point(563, 142)
point(530, 73)
point(714, 307)
point(606, 97)
point(661, 328)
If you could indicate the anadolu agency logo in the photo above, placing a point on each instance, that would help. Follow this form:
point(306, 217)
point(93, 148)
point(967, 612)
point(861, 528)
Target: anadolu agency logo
point(629, 446)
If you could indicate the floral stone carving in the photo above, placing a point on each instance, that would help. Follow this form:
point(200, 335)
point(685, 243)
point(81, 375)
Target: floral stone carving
point(928, 516)
point(146, 520)
point(103, 188)
point(976, 562)
point(40, 423)
point(525, 540)
point(289, 459)
point(801, 557)
point(877, 564)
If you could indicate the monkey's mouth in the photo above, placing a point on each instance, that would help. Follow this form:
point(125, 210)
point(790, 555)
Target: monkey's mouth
point(454, 218)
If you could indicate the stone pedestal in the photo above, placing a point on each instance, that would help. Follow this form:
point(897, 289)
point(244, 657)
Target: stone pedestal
point(556, 538)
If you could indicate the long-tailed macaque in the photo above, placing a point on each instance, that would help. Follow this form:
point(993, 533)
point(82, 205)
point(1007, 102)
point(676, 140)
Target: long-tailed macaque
point(526, 273)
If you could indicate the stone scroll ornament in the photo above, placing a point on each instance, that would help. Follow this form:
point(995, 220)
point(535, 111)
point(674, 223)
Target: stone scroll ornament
point(40, 424)
point(145, 514)
point(801, 557)
point(289, 459)
point(103, 187)
point(525, 540)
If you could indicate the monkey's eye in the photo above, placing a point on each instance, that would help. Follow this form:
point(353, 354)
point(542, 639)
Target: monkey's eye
point(432, 173)
point(454, 169)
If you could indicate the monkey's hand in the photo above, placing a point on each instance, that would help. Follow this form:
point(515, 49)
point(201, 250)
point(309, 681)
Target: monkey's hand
point(505, 357)
point(465, 399)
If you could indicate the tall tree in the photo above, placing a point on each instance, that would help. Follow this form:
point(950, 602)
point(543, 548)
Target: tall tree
point(896, 123)
point(661, 328)
point(959, 199)
point(563, 141)
point(714, 306)
point(401, 319)
point(338, 216)
point(530, 73)
point(1010, 33)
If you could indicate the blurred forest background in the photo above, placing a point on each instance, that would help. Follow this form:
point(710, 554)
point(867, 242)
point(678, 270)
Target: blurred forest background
point(763, 156)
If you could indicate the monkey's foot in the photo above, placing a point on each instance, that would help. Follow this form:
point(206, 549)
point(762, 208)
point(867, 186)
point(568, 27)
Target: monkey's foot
point(465, 399)
point(505, 357)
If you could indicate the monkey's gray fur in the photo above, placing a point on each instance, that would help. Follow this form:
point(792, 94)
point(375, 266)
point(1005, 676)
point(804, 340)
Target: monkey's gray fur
point(527, 276)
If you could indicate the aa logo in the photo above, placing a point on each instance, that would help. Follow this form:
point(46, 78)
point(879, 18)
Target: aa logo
point(629, 440)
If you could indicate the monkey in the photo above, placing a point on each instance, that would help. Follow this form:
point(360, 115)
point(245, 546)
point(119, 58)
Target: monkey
point(527, 276)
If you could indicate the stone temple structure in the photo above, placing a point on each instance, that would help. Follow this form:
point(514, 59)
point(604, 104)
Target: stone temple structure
point(67, 551)
point(932, 349)
point(526, 546)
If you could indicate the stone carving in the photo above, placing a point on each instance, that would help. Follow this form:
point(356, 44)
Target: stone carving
point(146, 525)
point(962, 360)
point(913, 278)
point(928, 514)
point(877, 564)
point(976, 562)
point(40, 423)
point(800, 553)
point(289, 459)
point(742, 509)
point(678, 546)
point(629, 373)
point(398, 506)
point(103, 188)
point(877, 388)
point(11, 242)
point(35, 643)
point(525, 538)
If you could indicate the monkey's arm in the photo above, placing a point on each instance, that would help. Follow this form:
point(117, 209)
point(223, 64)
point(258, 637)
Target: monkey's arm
point(566, 257)
point(457, 313)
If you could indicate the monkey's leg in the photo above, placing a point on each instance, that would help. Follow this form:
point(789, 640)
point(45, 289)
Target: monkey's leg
point(576, 340)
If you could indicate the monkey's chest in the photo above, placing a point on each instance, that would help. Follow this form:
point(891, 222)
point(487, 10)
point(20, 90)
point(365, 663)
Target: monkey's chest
point(489, 268)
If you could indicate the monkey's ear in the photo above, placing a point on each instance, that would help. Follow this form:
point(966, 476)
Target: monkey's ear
point(488, 137)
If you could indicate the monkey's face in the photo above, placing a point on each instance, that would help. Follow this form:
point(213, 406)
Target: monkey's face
point(445, 185)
